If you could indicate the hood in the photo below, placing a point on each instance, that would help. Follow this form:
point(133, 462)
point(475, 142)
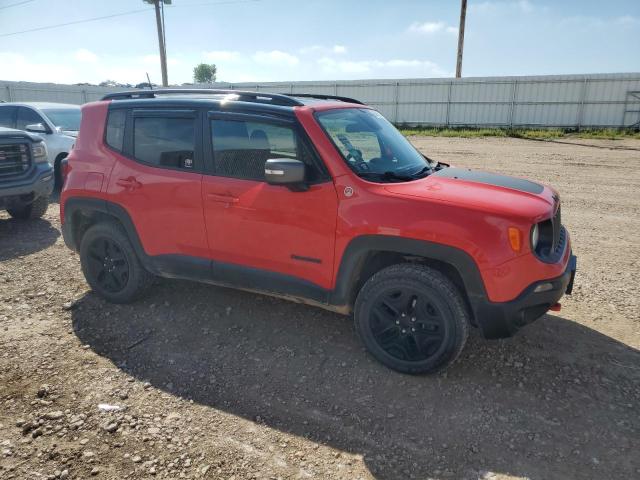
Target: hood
point(70, 133)
point(13, 133)
point(488, 192)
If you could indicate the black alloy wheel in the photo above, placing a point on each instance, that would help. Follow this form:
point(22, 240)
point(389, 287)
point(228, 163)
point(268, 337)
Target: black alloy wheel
point(108, 264)
point(412, 318)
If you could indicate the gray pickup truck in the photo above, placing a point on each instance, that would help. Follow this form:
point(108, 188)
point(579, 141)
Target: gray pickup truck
point(26, 176)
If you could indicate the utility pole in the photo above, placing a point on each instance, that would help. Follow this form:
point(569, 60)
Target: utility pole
point(161, 37)
point(463, 14)
point(163, 51)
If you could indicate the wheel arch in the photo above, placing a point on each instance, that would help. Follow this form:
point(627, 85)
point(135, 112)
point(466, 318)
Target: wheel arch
point(368, 254)
point(81, 213)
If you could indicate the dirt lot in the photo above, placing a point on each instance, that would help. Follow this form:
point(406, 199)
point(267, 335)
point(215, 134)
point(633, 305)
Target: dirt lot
point(216, 383)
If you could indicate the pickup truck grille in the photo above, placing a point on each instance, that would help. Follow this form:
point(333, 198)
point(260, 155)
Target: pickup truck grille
point(15, 159)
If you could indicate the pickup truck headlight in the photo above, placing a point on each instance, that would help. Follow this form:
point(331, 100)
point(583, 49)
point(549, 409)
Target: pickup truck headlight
point(39, 152)
point(535, 236)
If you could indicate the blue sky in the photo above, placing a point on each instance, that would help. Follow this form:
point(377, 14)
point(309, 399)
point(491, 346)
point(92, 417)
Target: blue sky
point(279, 40)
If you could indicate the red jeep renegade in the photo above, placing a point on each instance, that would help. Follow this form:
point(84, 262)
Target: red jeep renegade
point(317, 199)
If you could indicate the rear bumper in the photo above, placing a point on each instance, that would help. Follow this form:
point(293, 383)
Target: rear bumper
point(499, 320)
point(39, 183)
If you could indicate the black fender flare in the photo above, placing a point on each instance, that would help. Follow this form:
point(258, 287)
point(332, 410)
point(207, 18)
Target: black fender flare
point(361, 247)
point(91, 206)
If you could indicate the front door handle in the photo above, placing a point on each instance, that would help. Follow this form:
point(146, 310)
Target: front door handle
point(219, 197)
point(130, 183)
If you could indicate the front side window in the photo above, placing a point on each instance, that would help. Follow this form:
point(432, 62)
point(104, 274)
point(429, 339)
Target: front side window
point(372, 147)
point(241, 148)
point(26, 116)
point(164, 142)
point(64, 118)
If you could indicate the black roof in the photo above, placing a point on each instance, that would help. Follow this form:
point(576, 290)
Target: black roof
point(280, 99)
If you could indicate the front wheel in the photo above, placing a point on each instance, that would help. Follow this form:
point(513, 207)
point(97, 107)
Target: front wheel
point(110, 264)
point(31, 211)
point(412, 319)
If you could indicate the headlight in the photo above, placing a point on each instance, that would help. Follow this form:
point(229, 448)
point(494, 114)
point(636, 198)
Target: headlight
point(535, 236)
point(39, 151)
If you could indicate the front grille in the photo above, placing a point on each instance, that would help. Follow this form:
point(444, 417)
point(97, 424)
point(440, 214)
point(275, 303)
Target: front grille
point(15, 159)
point(553, 238)
point(556, 224)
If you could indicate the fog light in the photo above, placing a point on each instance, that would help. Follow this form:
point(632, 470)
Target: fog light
point(543, 287)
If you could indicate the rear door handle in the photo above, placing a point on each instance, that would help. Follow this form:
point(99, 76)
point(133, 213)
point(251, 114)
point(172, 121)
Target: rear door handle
point(219, 197)
point(130, 183)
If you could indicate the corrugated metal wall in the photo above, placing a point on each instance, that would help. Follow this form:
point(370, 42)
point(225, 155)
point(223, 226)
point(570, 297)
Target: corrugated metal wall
point(569, 101)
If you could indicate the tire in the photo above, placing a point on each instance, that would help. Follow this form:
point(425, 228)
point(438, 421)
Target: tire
point(110, 264)
point(31, 211)
point(57, 172)
point(412, 319)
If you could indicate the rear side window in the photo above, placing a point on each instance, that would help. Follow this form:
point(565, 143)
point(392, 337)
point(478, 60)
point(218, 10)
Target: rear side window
point(241, 148)
point(115, 129)
point(164, 141)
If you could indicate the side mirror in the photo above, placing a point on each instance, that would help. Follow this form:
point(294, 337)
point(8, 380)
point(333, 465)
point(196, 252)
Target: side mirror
point(285, 171)
point(36, 128)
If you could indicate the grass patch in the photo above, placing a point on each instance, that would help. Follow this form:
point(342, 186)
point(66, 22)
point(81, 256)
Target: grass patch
point(542, 134)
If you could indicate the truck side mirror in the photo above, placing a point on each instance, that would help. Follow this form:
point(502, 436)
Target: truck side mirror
point(36, 128)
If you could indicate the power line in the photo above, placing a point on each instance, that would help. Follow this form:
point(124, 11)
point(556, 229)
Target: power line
point(104, 17)
point(131, 12)
point(16, 4)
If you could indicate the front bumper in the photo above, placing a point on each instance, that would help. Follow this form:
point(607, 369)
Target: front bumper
point(500, 320)
point(38, 183)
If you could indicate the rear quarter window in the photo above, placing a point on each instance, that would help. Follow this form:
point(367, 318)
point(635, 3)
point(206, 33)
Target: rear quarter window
point(115, 129)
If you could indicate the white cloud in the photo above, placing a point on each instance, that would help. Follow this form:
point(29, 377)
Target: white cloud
point(222, 56)
point(628, 20)
point(429, 28)
point(276, 57)
point(324, 50)
point(84, 55)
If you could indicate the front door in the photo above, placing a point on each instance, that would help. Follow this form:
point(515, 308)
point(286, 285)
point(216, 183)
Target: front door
point(262, 227)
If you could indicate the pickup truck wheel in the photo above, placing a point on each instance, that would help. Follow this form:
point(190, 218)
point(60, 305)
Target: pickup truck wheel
point(33, 210)
point(412, 319)
point(110, 264)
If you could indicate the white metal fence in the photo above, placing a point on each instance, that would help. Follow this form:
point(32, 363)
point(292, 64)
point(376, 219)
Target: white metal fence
point(567, 101)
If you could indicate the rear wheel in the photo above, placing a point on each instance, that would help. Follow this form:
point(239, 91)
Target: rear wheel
point(31, 211)
point(412, 319)
point(110, 264)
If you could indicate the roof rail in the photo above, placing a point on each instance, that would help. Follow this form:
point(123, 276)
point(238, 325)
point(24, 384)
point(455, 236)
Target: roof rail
point(326, 97)
point(247, 96)
point(261, 97)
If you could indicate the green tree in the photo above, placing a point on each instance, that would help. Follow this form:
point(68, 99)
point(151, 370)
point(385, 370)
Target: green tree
point(205, 73)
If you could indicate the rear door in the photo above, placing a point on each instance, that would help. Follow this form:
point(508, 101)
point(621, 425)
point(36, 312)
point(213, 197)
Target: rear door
point(158, 179)
point(260, 226)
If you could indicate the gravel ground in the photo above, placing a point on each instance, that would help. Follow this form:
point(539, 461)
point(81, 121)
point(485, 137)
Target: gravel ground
point(215, 383)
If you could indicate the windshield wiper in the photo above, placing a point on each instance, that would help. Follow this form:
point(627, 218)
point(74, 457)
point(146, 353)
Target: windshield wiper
point(389, 175)
point(423, 172)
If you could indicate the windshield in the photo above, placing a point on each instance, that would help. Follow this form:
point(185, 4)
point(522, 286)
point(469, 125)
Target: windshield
point(64, 118)
point(372, 147)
